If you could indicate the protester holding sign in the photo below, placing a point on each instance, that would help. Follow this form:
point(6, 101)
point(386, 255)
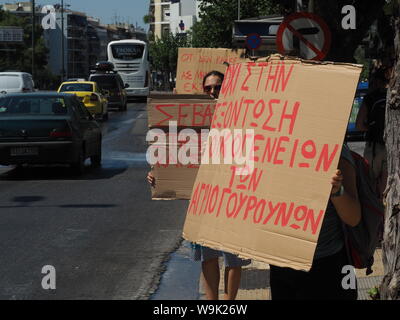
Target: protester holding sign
point(324, 280)
point(212, 83)
point(282, 200)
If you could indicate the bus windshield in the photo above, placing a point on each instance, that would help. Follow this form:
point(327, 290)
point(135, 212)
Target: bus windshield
point(127, 51)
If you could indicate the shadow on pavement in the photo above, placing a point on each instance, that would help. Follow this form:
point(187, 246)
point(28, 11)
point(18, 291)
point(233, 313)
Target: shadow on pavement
point(27, 173)
point(31, 202)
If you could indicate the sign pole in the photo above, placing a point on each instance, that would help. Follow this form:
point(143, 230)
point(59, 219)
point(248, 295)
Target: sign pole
point(33, 37)
point(62, 41)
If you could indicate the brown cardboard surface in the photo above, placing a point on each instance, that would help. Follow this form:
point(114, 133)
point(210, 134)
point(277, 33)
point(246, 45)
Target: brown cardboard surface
point(195, 63)
point(185, 112)
point(299, 112)
point(173, 182)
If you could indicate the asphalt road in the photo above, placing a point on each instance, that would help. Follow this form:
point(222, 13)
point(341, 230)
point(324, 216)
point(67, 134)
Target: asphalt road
point(101, 232)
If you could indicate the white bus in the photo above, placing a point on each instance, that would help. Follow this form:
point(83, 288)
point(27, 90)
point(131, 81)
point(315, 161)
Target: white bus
point(131, 61)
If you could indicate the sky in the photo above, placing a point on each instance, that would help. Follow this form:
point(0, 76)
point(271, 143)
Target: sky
point(131, 11)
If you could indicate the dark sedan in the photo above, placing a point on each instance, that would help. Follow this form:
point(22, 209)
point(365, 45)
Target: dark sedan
point(47, 128)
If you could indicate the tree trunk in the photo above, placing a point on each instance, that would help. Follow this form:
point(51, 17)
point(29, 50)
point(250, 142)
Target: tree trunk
point(390, 287)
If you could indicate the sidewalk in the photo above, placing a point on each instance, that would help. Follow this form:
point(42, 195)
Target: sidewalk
point(255, 281)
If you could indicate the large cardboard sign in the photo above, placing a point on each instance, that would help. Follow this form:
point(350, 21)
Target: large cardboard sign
point(299, 112)
point(195, 63)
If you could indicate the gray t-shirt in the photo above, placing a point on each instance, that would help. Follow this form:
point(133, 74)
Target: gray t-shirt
point(331, 238)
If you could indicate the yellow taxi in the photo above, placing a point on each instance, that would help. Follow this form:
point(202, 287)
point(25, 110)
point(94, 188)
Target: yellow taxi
point(91, 96)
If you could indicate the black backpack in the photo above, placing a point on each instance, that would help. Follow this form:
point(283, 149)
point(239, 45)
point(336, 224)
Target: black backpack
point(362, 240)
point(376, 117)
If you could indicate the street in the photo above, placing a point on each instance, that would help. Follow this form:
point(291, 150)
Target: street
point(104, 236)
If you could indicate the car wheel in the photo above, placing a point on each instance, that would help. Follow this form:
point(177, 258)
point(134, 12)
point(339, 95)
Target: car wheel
point(79, 166)
point(96, 159)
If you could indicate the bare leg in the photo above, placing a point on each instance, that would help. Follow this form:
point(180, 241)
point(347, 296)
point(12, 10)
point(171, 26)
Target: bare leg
point(232, 282)
point(210, 270)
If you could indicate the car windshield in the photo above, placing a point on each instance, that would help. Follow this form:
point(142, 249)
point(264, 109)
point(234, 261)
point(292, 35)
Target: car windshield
point(14, 106)
point(68, 87)
point(9, 81)
point(127, 51)
point(106, 82)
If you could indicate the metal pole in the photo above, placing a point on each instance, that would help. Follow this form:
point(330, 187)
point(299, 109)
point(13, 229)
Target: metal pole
point(311, 5)
point(299, 5)
point(238, 9)
point(62, 41)
point(33, 37)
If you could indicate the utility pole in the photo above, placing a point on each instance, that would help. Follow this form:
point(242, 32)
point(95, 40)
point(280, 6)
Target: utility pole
point(62, 41)
point(299, 5)
point(33, 37)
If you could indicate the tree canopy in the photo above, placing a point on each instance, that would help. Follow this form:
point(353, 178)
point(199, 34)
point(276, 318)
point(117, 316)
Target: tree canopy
point(214, 30)
point(164, 54)
point(21, 58)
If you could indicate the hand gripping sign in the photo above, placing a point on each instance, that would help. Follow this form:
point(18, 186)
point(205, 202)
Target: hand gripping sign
point(305, 34)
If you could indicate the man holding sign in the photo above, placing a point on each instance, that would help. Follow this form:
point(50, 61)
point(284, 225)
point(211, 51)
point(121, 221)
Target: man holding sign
point(288, 209)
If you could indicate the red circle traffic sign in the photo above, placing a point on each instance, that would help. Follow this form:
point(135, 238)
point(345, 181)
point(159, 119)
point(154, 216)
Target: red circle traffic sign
point(292, 24)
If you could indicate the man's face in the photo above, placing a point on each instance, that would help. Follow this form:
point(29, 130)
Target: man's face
point(212, 86)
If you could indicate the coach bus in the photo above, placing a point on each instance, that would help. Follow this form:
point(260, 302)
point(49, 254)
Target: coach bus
point(131, 61)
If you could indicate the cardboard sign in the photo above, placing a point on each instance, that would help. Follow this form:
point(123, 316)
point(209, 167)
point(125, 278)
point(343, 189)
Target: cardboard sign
point(299, 112)
point(195, 63)
point(185, 112)
point(175, 180)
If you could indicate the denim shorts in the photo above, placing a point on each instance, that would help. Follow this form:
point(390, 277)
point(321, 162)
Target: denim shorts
point(202, 254)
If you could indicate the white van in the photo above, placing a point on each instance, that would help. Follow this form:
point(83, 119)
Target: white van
point(14, 82)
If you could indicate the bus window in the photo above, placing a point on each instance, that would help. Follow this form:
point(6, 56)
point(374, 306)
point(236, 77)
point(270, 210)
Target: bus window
point(127, 51)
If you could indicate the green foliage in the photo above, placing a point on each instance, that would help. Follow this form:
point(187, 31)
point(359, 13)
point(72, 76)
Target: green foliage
point(164, 52)
point(214, 30)
point(21, 58)
point(374, 293)
point(148, 19)
point(360, 58)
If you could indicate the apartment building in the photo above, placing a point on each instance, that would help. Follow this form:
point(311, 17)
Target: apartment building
point(78, 41)
point(159, 11)
point(175, 16)
point(184, 14)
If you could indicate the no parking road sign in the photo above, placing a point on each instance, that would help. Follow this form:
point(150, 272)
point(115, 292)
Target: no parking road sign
point(253, 41)
point(306, 33)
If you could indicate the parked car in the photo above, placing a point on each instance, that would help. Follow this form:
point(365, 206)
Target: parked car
point(14, 82)
point(352, 133)
point(111, 84)
point(89, 93)
point(48, 128)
